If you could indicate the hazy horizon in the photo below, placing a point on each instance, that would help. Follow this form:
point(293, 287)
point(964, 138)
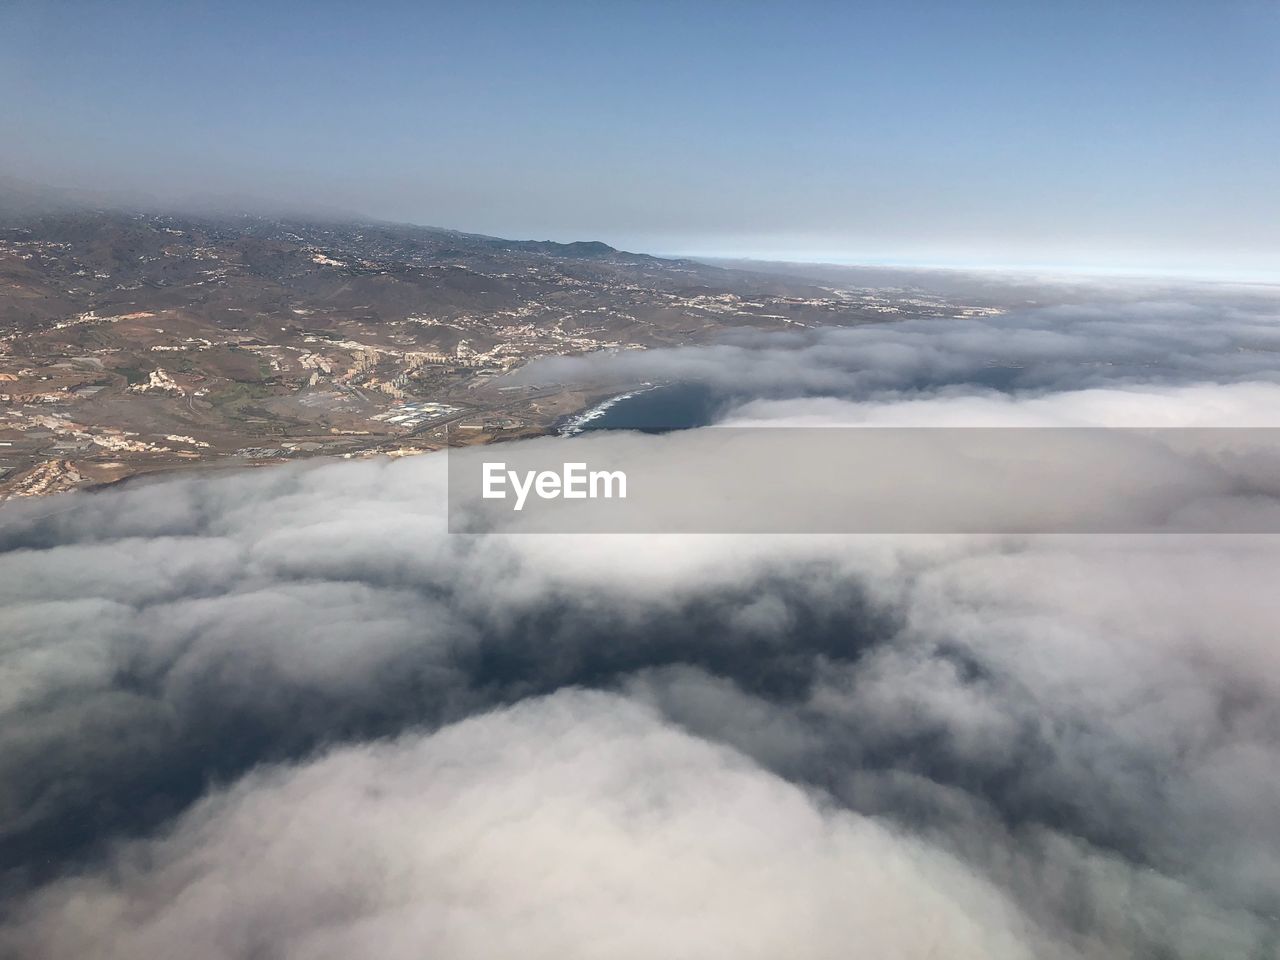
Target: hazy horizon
point(1089, 137)
point(39, 197)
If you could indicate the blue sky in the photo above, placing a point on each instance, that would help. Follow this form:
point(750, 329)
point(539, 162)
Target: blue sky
point(1118, 135)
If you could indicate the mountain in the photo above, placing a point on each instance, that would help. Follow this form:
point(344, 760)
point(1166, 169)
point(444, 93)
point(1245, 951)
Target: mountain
point(132, 342)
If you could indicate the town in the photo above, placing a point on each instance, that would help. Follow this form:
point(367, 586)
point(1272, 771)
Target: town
point(132, 343)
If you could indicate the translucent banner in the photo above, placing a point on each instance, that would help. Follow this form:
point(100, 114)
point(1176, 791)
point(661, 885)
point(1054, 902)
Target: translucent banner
point(873, 480)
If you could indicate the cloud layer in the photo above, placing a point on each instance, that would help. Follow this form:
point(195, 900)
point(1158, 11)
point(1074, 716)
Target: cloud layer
point(581, 825)
point(282, 713)
point(1111, 343)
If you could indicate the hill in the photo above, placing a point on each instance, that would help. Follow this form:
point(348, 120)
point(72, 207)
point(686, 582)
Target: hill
point(136, 342)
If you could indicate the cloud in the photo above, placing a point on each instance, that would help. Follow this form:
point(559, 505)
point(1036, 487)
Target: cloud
point(1181, 406)
point(1091, 714)
point(1074, 347)
point(579, 825)
point(284, 712)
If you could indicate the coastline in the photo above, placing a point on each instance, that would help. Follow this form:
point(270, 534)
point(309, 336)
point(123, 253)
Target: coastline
point(576, 423)
point(392, 447)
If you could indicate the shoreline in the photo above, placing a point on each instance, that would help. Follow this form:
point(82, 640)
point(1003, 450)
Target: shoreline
point(566, 425)
point(576, 423)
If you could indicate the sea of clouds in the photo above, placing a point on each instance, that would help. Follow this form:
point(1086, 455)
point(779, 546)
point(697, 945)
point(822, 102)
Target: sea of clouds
point(283, 713)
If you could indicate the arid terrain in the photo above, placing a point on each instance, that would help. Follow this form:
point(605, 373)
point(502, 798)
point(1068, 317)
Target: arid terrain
point(135, 343)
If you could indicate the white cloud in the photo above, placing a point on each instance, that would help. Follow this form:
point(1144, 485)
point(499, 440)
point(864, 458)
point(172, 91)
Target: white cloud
point(966, 745)
point(579, 826)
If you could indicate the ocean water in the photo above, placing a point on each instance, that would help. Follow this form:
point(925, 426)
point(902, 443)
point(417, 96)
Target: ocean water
point(659, 409)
